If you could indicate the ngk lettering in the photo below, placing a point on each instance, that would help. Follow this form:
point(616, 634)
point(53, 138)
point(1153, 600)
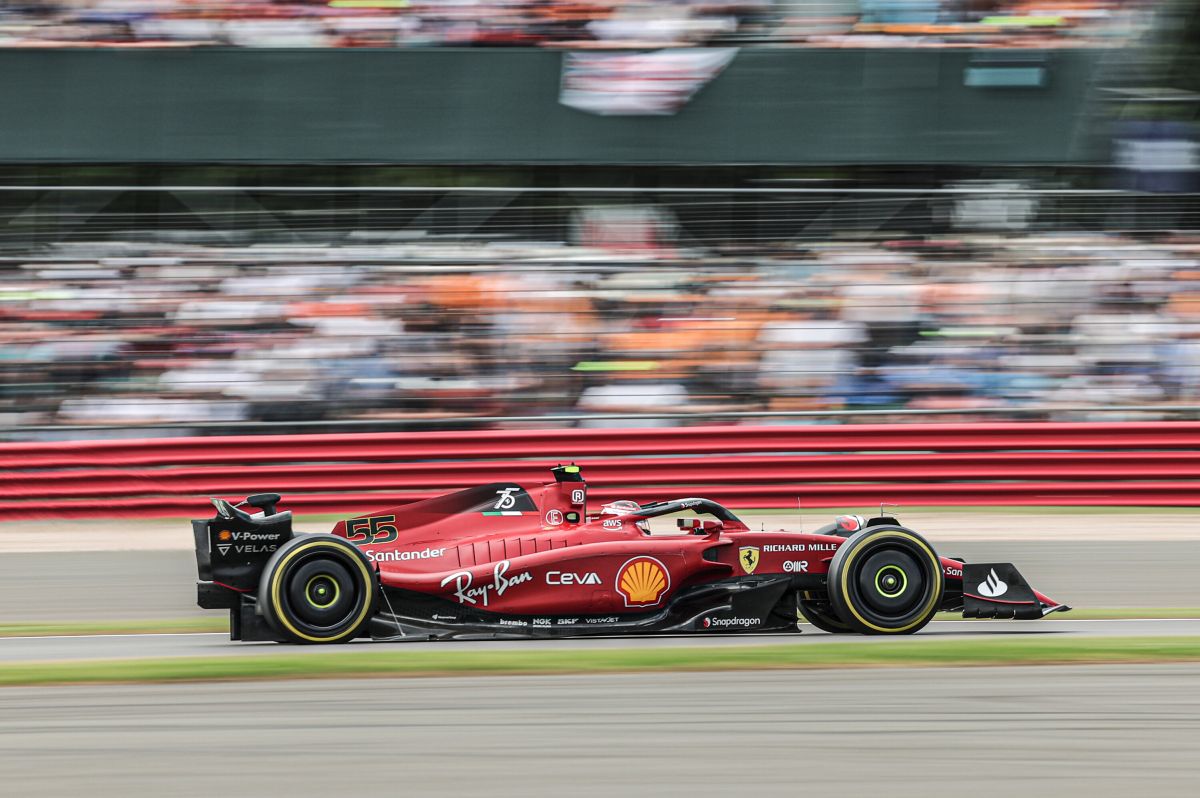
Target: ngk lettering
point(466, 594)
point(783, 547)
point(403, 556)
point(568, 578)
point(541, 621)
point(506, 500)
point(795, 567)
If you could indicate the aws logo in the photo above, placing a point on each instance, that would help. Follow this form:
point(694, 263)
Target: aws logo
point(643, 581)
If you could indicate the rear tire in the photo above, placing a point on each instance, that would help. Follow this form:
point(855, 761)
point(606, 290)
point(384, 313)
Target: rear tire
point(885, 581)
point(317, 589)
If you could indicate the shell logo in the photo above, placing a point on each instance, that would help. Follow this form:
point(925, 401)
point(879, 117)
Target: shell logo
point(643, 581)
point(224, 535)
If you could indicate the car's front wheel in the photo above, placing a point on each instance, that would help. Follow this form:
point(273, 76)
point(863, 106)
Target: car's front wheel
point(317, 589)
point(885, 580)
point(821, 615)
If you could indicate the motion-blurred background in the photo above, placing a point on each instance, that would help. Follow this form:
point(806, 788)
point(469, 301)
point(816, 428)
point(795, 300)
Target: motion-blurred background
point(382, 215)
point(797, 257)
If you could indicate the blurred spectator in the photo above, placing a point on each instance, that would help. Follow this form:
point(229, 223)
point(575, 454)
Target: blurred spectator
point(1021, 326)
point(570, 23)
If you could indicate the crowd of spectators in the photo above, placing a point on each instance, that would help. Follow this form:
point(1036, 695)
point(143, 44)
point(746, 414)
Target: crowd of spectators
point(204, 337)
point(564, 23)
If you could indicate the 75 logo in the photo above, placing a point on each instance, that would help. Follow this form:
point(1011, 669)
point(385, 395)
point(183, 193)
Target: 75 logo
point(376, 529)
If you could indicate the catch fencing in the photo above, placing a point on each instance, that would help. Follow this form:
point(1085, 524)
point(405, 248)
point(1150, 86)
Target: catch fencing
point(858, 466)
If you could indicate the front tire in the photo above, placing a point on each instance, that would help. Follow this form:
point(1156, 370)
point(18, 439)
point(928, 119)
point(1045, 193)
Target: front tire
point(822, 617)
point(317, 589)
point(885, 581)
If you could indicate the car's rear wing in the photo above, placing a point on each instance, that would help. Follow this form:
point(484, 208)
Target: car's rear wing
point(231, 550)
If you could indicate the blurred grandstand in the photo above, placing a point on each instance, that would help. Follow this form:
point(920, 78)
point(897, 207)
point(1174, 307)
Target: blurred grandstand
point(887, 236)
point(568, 23)
point(619, 313)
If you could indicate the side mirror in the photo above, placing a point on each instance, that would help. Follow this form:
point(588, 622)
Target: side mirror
point(709, 526)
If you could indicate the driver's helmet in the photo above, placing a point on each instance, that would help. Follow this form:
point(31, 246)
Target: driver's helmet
point(625, 507)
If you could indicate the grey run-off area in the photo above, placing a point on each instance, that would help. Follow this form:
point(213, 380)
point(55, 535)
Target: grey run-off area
point(128, 585)
point(217, 644)
point(1093, 731)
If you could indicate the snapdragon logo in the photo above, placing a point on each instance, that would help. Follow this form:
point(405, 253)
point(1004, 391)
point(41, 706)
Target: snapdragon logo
point(725, 623)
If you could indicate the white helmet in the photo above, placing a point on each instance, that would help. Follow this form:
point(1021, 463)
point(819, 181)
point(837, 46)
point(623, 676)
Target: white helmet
point(625, 507)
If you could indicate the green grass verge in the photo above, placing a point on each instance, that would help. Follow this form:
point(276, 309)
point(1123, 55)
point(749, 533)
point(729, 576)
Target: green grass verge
point(395, 660)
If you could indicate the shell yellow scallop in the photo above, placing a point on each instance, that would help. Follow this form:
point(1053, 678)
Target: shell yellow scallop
point(642, 581)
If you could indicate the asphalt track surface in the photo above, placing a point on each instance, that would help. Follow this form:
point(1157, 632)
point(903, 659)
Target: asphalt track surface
point(86, 647)
point(1095, 731)
point(129, 585)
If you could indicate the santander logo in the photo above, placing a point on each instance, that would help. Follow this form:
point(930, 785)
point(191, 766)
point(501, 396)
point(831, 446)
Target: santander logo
point(992, 587)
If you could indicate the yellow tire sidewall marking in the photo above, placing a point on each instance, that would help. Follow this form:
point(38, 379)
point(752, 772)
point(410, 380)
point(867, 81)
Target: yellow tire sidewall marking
point(844, 584)
point(277, 586)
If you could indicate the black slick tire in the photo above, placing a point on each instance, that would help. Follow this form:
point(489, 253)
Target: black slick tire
point(885, 580)
point(317, 589)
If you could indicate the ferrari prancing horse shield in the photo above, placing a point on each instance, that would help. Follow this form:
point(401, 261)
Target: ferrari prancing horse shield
point(748, 557)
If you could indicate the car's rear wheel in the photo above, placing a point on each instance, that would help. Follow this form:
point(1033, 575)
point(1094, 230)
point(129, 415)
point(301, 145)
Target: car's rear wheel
point(820, 614)
point(317, 589)
point(885, 580)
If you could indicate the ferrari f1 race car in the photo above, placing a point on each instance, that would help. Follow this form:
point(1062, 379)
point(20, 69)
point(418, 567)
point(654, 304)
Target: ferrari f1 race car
point(500, 561)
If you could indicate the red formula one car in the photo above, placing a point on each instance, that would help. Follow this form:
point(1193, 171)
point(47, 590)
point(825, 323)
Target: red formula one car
point(500, 561)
